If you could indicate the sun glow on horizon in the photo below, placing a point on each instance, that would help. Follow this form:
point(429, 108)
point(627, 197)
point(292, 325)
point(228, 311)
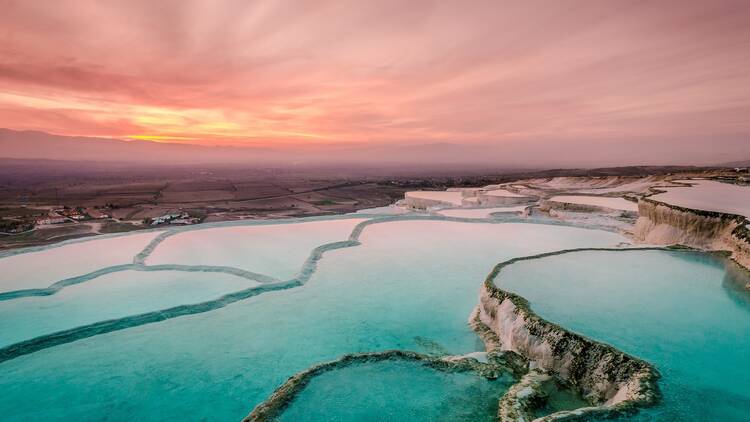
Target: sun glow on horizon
point(385, 73)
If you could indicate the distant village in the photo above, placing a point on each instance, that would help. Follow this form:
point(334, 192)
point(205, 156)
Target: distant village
point(22, 219)
point(182, 218)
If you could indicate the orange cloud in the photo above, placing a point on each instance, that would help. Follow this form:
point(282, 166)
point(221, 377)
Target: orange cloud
point(327, 72)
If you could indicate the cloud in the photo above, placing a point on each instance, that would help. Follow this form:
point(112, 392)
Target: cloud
point(284, 72)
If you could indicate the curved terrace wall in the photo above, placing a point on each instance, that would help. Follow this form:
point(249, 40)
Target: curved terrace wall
point(274, 406)
point(416, 200)
point(660, 222)
point(496, 200)
point(422, 203)
point(548, 205)
point(611, 380)
point(470, 197)
point(267, 283)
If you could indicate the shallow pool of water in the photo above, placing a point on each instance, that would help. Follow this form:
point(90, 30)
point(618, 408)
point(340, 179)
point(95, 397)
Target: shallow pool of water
point(50, 264)
point(709, 195)
point(397, 391)
point(598, 201)
point(480, 212)
point(110, 296)
point(685, 312)
point(503, 192)
point(448, 197)
point(276, 250)
point(410, 285)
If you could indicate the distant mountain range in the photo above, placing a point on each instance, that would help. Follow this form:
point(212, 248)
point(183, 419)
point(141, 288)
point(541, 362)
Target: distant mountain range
point(507, 155)
point(45, 146)
point(41, 145)
point(745, 163)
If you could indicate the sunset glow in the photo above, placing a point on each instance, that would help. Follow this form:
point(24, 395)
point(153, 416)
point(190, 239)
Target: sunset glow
point(319, 72)
point(374, 210)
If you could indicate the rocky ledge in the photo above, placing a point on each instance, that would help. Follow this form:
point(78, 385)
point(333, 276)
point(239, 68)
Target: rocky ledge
point(612, 381)
point(498, 364)
point(664, 223)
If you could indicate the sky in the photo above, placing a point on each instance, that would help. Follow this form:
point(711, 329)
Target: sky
point(656, 75)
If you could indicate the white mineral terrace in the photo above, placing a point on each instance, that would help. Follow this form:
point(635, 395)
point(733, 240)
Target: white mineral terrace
point(69, 259)
point(479, 212)
point(599, 201)
point(167, 300)
point(710, 196)
point(598, 185)
point(453, 198)
point(503, 192)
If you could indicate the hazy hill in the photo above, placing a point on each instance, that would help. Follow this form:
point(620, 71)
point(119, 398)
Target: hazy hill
point(40, 145)
point(45, 146)
point(745, 163)
point(441, 156)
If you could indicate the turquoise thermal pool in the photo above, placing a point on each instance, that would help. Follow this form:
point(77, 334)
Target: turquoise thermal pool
point(685, 312)
point(395, 390)
point(411, 285)
point(205, 323)
point(113, 295)
point(270, 249)
point(43, 266)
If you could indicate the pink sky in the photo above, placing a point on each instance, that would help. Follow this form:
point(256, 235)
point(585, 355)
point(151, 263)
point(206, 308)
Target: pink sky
point(379, 72)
